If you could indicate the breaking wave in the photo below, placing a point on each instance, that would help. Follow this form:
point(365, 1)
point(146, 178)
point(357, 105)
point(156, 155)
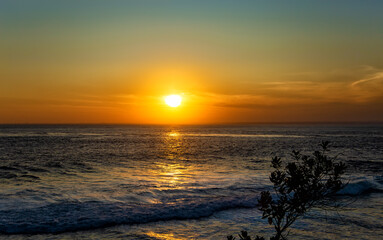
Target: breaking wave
point(362, 186)
point(73, 216)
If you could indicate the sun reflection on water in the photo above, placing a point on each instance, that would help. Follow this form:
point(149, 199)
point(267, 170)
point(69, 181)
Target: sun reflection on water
point(172, 175)
point(164, 236)
point(172, 171)
point(167, 172)
point(173, 134)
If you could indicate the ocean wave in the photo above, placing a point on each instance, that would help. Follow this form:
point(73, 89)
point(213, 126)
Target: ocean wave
point(237, 135)
point(73, 216)
point(361, 186)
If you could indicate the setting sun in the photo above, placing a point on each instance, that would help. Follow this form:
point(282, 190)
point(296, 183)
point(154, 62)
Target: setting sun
point(173, 100)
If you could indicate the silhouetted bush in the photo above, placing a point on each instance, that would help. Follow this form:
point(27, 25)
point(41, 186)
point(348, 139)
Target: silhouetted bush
point(304, 183)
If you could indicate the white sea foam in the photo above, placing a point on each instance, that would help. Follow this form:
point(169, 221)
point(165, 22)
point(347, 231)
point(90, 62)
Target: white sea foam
point(360, 186)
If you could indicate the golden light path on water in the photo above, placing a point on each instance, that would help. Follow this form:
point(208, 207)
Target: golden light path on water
point(164, 236)
point(172, 171)
point(173, 174)
point(171, 177)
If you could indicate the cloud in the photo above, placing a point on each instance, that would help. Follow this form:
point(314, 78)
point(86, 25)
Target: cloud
point(359, 85)
point(369, 86)
point(377, 76)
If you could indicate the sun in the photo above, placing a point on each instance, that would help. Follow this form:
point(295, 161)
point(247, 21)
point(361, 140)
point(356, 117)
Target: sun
point(173, 100)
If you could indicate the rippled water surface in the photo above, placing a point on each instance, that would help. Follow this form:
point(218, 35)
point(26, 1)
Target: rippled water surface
point(180, 182)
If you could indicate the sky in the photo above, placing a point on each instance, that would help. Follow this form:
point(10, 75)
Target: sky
point(231, 61)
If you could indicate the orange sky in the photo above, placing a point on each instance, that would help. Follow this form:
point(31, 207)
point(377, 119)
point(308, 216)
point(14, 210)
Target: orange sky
point(113, 62)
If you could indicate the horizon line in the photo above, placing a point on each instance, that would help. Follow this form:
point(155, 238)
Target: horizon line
point(201, 124)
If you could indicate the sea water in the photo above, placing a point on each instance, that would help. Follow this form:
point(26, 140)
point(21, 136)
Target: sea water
point(175, 182)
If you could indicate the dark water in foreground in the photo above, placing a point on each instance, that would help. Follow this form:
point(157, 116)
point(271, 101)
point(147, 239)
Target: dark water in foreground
point(177, 183)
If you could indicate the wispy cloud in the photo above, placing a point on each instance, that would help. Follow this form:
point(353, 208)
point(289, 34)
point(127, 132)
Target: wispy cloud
point(378, 76)
point(359, 85)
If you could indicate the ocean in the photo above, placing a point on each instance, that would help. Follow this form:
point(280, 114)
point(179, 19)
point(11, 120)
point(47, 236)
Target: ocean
point(175, 182)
